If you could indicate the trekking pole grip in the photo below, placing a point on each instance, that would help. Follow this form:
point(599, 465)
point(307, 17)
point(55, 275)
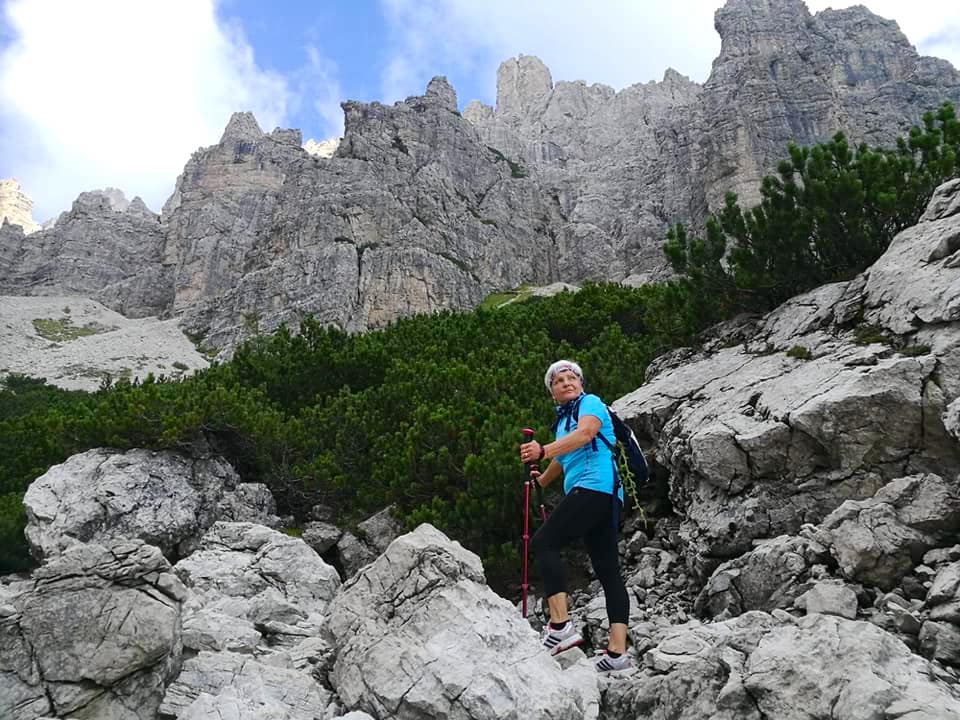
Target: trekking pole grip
point(528, 437)
point(531, 466)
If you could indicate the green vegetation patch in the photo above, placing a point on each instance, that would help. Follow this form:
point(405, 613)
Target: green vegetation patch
point(869, 334)
point(509, 297)
point(799, 352)
point(63, 330)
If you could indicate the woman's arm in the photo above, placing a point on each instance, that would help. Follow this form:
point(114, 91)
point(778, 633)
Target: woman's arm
point(587, 428)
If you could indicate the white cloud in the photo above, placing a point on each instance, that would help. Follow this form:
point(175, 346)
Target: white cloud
point(119, 93)
point(318, 81)
point(618, 42)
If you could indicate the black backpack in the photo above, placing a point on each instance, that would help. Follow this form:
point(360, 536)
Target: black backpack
point(625, 446)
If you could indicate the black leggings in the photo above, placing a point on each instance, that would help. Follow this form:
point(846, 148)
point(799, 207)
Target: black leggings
point(586, 514)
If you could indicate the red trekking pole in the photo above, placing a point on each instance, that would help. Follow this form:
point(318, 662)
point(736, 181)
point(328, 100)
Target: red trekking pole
point(530, 467)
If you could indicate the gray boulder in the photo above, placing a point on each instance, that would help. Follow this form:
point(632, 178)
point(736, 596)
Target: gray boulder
point(830, 598)
point(879, 540)
point(321, 536)
point(94, 633)
point(253, 618)
point(380, 529)
point(418, 634)
point(944, 595)
point(756, 667)
point(162, 498)
point(240, 687)
point(917, 280)
point(940, 641)
point(772, 575)
point(253, 588)
point(353, 553)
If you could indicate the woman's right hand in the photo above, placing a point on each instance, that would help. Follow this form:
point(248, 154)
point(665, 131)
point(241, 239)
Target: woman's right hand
point(535, 479)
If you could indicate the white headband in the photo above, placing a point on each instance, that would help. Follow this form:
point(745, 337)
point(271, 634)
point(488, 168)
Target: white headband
point(560, 366)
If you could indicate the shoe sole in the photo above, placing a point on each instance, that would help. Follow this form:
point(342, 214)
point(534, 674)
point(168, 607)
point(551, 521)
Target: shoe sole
point(570, 642)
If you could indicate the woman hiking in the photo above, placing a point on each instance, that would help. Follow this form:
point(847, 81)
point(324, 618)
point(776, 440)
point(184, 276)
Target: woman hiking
point(588, 510)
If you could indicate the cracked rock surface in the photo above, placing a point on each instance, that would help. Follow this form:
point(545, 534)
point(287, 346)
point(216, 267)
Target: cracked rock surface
point(759, 667)
point(163, 498)
point(759, 440)
point(94, 633)
point(419, 634)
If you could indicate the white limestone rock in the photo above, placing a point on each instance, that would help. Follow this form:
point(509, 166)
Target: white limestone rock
point(756, 667)
point(917, 280)
point(418, 634)
point(876, 540)
point(231, 685)
point(251, 587)
point(830, 598)
point(944, 595)
point(16, 207)
point(162, 498)
point(94, 633)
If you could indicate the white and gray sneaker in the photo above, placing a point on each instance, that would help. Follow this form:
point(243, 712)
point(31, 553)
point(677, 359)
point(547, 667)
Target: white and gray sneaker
point(556, 641)
point(607, 664)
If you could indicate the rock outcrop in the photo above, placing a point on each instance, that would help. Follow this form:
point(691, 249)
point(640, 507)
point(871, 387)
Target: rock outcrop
point(418, 634)
point(252, 622)
point(162, 498)
point(94, 633)
point(16, 207)
point(759, 437)
point(103, 248)
point(626, 164)
point(413, 214)
point(760, 666)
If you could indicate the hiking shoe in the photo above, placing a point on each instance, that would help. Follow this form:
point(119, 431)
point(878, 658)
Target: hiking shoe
point(556, 641)
point(607, 664)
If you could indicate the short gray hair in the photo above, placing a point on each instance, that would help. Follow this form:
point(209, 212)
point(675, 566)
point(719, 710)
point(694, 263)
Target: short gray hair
point(560, 366)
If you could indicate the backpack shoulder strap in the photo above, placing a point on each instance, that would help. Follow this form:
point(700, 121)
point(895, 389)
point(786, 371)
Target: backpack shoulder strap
point(574, 416)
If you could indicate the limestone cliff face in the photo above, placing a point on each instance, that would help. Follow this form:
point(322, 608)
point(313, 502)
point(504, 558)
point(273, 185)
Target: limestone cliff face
point(785, 75)
point(105, 247)
point(627, 164)
point(16, 207)
point(412, 214)
point(421, 209)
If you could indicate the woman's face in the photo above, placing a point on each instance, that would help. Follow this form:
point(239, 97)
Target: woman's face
point(565, 386)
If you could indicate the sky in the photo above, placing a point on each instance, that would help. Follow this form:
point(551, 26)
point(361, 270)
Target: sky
point(119, 93)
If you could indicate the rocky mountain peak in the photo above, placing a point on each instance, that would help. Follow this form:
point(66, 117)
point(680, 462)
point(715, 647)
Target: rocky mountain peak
point(442, 92)
point(16, 207)
point(747, 26)
point(524, 86)
point(673, 77)
point(243, 126)
point(108, 199)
